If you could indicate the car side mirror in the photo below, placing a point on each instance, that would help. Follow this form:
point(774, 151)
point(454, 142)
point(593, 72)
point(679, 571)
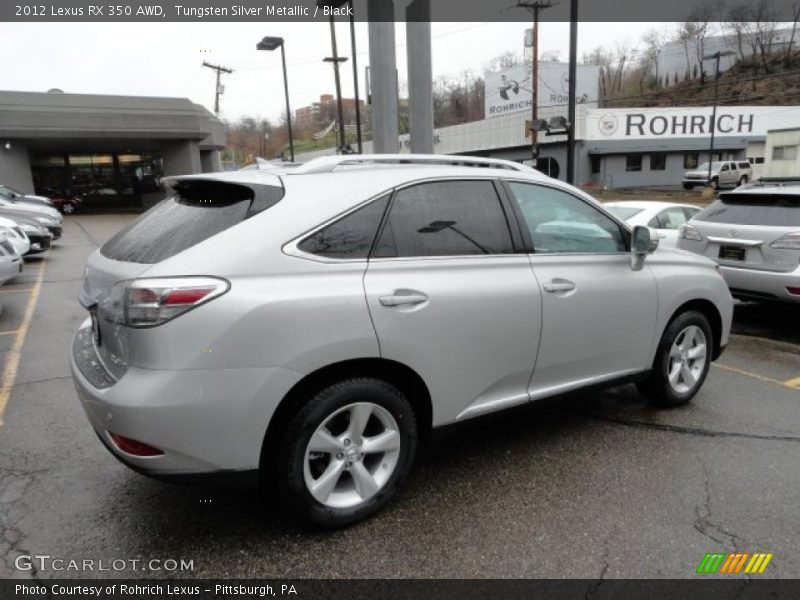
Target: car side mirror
point(643, 242)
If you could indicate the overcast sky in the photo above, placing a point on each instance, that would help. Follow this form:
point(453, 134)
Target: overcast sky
point(164, 59)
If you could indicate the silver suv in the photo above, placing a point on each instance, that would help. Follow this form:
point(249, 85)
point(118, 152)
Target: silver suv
point(311, 327)
point(728, 173)
point(754, 234)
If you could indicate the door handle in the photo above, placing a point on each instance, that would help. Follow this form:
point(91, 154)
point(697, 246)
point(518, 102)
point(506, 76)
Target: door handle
point(402, 299)
point(559, 285)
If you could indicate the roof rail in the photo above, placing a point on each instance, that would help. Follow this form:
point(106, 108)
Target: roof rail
point(327, 164)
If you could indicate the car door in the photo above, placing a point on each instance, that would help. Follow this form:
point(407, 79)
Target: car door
point(452, 296)
point(727, 174)
point(598, 315)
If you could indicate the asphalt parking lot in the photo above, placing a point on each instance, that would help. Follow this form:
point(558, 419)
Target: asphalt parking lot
point(595, 485)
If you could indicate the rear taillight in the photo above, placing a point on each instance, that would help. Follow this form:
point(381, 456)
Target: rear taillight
point(791, 241)
point(794, 291)
point(690, 232)
point(151, 302)
point(134, 447)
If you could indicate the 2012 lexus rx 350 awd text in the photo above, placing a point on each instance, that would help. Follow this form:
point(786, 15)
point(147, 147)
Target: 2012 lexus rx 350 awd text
point(311, 325)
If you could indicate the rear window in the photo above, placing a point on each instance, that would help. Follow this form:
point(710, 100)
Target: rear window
point(777, 210)
point(196, 211)
point(623, 212)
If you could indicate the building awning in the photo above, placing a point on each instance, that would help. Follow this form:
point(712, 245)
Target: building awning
point(670, 145)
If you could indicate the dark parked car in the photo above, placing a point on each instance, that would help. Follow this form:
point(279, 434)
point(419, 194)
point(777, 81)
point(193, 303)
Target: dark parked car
point(66, 202)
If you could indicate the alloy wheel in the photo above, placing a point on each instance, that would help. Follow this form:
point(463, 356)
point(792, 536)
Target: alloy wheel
point(687, 359)
point(351, 455)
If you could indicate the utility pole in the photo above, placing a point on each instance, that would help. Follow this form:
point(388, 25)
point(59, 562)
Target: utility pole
point(715, 57)
point(219, 69)
point(335, 60)
point(573, 62)
point(355, 76)
point(534, 8)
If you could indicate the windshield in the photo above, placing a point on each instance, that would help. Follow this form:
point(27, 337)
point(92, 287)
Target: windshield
point(715, 166)
point(623, 212)
point(775, 210)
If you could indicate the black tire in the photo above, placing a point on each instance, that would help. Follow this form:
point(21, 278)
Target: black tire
point(743, 180)
point(688, 186)
point(289, 468)
point(715, 183)
point(657, 388)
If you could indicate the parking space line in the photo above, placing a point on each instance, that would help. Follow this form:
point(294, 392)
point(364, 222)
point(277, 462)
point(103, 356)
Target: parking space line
point(12, 357)
point(16, 291)
point(760, 377)
point(9, 332)
point(793, 383)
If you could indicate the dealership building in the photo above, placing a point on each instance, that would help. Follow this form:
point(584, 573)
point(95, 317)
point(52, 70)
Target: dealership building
point(112, 148)
point(621, 147)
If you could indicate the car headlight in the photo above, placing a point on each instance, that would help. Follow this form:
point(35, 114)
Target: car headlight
point(31, 228)
point(47, 222)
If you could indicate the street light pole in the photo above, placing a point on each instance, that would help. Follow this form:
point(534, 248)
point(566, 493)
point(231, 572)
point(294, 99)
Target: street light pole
point(270, 44)
point(355, 77)
point(573, 61)
point(715, 56)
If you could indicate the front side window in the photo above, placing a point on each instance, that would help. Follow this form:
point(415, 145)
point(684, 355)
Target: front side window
point(562, 223)
point(445, 218)
point(350, 237)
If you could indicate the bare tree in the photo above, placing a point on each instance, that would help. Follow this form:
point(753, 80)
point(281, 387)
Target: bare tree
point(795, 19)
point(550, 56)
point(693, 34)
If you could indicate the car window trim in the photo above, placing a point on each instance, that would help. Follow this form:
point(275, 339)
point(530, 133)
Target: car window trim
point(493, 180)
point(291, 248)
point(624, 229)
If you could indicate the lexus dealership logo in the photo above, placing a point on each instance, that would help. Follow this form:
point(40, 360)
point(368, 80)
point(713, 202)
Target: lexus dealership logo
point(609, 124)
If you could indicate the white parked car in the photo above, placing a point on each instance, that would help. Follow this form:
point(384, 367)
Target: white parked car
point(16, 235)
point(666, 218)
point(10, 259)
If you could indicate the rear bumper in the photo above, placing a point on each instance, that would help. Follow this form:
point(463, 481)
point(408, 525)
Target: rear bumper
point(204, 421)
point(761, 285)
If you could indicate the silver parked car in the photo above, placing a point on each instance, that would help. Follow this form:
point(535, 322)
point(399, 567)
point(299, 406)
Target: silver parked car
point(726, 173)
point(313, 326)
point(754, 234)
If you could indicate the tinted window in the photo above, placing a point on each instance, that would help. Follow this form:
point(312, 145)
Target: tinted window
point(349, 237)
point(198, 210)
point(560, 222)
point(754, 209)
point(446, 218)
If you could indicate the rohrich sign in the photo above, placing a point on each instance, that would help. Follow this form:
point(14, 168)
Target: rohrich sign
point(687, 122)
point(509, 91)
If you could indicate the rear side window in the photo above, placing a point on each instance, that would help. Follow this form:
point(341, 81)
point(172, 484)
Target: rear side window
point(197, 210)
point(351, 236)
point(445, 218)
point(776, 210)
